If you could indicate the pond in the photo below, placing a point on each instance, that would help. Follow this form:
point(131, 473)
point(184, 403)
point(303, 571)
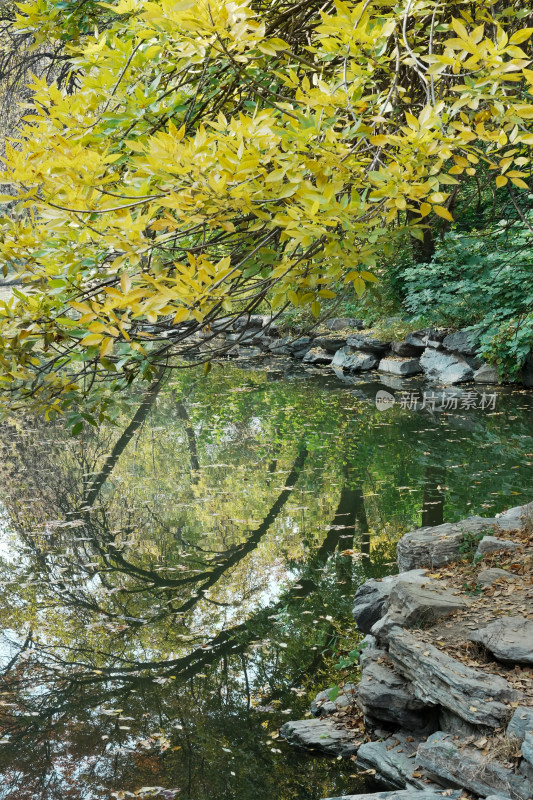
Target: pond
point(179, 584)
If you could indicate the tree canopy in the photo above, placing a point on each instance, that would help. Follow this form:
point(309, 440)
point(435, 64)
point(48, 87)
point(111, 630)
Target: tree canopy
point(206, 157)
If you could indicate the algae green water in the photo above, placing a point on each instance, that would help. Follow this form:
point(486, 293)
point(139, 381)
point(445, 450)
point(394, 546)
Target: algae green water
point(176, 586)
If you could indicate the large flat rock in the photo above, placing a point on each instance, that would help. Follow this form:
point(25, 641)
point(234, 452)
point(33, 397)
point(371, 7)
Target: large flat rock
point(372, 595)
point(353, 361)
point(464, 342)
point(368, 343)
point(439, 545)
point(417, 605)
point(445, 368)
point(400, 366)
point(509, 639)
point(466, 768)
point(317, 355)
point(393, 760)
point(386, 696)
point(516, 517)
point(321, 734)
point(476, 696)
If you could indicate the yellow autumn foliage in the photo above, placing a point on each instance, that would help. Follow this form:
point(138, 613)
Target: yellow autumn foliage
point(220, 154)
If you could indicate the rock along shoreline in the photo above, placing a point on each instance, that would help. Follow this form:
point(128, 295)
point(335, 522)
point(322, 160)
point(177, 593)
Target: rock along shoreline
point(444, 705)
point(441, 356)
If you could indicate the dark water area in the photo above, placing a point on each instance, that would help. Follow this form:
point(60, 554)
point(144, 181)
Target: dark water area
point(177, 585)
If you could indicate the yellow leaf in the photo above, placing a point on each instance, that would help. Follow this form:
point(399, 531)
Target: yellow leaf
point(153, 51)
point(359, 286)
point(501, 180)
point(459, 28)
point(92, 339)
point(379, 140)
point(440, 211)
point(181, 315)
point(106, 347)
point(425, 208)
point(135, 146)
point(125, 283)
point(315, 308)
point(293, 297)
point(369, 276)
point(521, 36)
point(520, 183)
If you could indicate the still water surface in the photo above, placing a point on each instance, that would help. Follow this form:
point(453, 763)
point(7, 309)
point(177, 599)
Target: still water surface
point(177, 586)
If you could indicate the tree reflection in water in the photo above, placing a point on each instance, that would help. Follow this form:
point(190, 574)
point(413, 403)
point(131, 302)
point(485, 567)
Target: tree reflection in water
point(167, 597)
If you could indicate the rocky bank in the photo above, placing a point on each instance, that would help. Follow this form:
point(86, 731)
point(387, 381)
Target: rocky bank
point(440, 355)
point(444, 704)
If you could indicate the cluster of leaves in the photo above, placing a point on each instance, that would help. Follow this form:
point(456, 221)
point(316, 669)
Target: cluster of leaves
point(219, 154)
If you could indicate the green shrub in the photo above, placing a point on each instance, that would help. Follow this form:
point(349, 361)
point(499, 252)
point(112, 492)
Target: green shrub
point(483, 281)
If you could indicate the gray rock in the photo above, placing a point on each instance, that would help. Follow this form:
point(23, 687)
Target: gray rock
point(301, 345)
point(520, 722)
point(489, 576)
point(369, 650)
point(323, 706)
point(353, 361)
point(467, 768)
point(509, 639)
point(246, 322)
point(367, 343)
point(427, 337)
point(516, 517)
point(281, 344)
point(386, 696)
point(438, 545)
point(438, 679)
point(526, 769)
point(317, 356)
point(371, 597)
point(396, 366)
point(486, 374)
point(340, 323)
point(464, 342)
point(451, 723)
point(416, 606)
point(492, 544)
point(321, 734)
point(393, 760)
point(331, 343)
point(408, 794)
point(527, 747)
point(406, 350)
point(445, 368)
point(242, 338)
